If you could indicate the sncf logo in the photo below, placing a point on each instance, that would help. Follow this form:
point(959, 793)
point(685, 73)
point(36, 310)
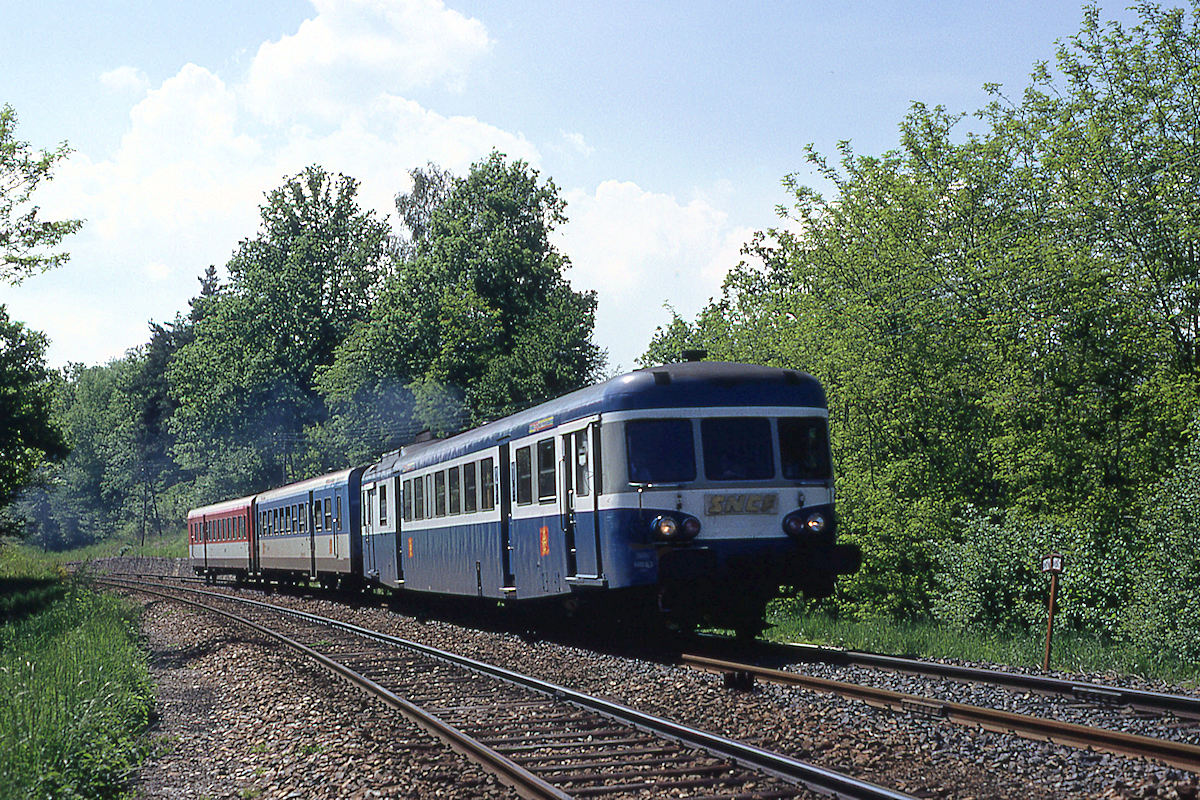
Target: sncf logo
point(716, 505)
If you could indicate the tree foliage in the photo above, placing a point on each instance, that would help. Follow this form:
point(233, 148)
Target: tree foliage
point(478, 320)
point(244, 383)
point(28, 439)
point(26, 240)
point(1005, 323)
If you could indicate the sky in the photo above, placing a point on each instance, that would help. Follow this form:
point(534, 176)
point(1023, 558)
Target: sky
point(667, 126)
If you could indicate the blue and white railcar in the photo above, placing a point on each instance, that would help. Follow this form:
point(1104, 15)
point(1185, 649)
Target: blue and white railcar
point(706, 485)
point(312, 528)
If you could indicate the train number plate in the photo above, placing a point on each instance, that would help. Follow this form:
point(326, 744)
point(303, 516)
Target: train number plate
point(716, 505)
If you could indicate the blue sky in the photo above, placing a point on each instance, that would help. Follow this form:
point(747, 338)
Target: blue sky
point(666, 125)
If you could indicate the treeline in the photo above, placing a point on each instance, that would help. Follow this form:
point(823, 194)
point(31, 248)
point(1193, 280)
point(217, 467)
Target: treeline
point(1007, 322)
point(330, 341)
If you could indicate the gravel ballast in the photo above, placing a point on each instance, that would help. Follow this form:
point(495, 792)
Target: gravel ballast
point(242, 718)
point(927, 757)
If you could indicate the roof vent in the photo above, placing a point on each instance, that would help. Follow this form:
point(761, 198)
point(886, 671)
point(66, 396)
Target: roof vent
point(693, 355)
point(424, 436)
point(661, 377)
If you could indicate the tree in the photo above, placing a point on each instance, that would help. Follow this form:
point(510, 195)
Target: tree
point(25, 239)
point(28, 439)
point(244, 384)
point(478, 322)
point(1005, 323)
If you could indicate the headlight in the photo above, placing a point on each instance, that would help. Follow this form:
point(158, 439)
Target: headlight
point(793, 525)
point(668, 528)
point(816, 522)
point(664, 527)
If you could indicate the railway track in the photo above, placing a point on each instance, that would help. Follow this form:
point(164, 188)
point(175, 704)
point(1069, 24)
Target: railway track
point(1180, 705)
point(544, 740)
point(1177, 754)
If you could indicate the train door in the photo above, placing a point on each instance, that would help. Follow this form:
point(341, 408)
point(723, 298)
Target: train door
point(503, 478)
point(367, 522)
point(204, 535)
point(306, 519)
point(398, 493)
point(253, 532)
point(577, 501)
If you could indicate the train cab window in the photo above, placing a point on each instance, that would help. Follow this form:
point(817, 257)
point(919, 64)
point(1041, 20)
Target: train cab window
point(406, 500)
point(328, 515)
point(455, 486)
point(737, 448)
point(545, 467)
point(487, 485)
point(439, 493)
point(470, 501)
point(524, 477)
point(579, 440)
point(660, 451)
point(383, 504)
point(804, 448)
point(419, 498)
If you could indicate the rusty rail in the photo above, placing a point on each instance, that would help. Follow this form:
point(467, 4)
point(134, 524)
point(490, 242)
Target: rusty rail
point(1177, 754)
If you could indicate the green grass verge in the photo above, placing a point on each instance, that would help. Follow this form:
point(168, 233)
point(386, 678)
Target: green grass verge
point(75, 689)
point(1071, 652)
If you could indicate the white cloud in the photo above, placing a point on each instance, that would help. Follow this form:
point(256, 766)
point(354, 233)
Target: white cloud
point(125, 79)
point(354, 50)
point(642, 249)
point(577, 143)
point(184, 184)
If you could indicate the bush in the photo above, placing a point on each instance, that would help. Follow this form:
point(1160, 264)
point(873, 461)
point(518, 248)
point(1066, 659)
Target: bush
point(992, 578)
point(1165, 611)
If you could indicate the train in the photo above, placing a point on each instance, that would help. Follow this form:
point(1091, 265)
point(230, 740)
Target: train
point(690, 492)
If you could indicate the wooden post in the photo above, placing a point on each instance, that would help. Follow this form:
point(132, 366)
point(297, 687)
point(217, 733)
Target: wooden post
point(1050, 621)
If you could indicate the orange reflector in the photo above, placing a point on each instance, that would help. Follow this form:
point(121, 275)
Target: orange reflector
point(410, 546)
point(545, 542)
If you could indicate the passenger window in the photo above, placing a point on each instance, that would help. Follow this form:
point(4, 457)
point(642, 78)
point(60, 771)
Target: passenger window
point(439, 493)
point(419, 497)
point(407, 500)
point(316, 514)
point(302, 517)
point(582, 489)
point(545, 466)
point(455, 491)
point(487, 485)
point(337, 518)
point(524, 477)
point(470, 502)
point(383, 504)
point(328, 516)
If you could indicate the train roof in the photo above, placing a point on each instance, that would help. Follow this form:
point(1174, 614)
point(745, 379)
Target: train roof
point(683, 385)
point(223, 507)
point(309, 485)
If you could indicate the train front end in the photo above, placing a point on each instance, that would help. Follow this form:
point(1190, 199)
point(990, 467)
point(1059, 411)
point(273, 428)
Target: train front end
point(725, 491)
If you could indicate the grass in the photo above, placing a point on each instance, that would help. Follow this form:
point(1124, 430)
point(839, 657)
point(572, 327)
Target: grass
point(75, 690)
point(171, 545)
point(1071, 652)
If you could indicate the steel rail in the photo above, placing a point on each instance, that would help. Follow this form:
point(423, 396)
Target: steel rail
point(1141, 699)
point(524, 782)
point(1177, 754)
point(818, 779)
